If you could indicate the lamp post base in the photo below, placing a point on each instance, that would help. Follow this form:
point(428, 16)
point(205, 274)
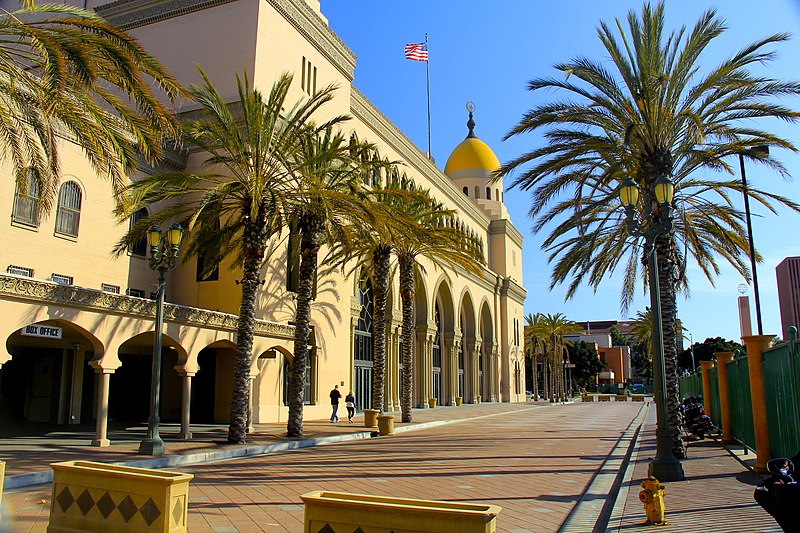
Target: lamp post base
point(666, 470)
point(152, 447)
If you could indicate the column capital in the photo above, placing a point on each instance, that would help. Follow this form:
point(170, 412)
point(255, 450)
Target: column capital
point(723, 358)
point(764, 341)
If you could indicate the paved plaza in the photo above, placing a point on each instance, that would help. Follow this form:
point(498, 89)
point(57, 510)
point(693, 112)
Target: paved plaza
point(572, 467)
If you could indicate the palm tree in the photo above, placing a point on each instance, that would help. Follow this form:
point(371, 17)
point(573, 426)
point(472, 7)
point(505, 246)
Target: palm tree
point(329, 201)
point(436, 238)
point(554, 328)
point(65, 72)
point(249, 146)
point(536, 346)
point(372, 248)
point(655, 114)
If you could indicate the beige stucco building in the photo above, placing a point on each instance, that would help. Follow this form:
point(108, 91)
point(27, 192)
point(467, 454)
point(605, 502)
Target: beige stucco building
point(89, 361)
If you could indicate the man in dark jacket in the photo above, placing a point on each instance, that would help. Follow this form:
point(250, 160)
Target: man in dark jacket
point(335, 397)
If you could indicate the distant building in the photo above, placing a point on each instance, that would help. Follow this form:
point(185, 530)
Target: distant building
point(618, 358)
point(788, 274)
point(625, 327)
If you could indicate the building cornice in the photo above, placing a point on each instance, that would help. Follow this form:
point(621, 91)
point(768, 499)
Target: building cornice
point(512, 289)
point(309, 24)
point(365, 111)
point(44, 292)
point(129, 14)
point(504, 226)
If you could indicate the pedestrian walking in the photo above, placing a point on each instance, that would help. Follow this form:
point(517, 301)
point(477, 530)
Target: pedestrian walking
point(335, 397)
point(350, 403)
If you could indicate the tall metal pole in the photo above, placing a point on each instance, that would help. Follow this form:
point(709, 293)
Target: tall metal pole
point(428, 79)
point(152, 444)
point(664, 467)
point(750, 242)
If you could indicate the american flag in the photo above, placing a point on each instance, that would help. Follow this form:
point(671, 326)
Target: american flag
point(417, 52)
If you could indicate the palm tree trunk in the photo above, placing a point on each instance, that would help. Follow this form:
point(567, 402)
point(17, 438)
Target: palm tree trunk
point(381, 258)
point(309, 248)
point(667, 279)
point(535, 377)
point(407, 299)
point(240, 396)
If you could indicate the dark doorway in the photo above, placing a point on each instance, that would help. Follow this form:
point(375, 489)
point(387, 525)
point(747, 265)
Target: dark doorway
point(204, 387)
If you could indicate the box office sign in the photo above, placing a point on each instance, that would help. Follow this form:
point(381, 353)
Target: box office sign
point(39, 330)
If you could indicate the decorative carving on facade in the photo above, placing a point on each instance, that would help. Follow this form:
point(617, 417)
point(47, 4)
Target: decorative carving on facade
point(128, 14)
point(41, 292)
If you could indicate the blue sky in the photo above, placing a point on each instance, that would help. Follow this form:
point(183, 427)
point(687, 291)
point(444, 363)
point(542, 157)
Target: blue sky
point(486, 52)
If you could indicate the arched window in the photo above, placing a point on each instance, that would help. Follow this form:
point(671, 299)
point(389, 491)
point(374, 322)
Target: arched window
point(140, 247)
point(363, 348)
point(488, 193)
point(68, 213)
point(477, 192)
point(466, 191)
point(26, 204)
point(497, 194)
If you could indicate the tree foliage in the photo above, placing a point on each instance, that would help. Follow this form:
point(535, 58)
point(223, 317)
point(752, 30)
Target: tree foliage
point(704, 351)
point(587, 363)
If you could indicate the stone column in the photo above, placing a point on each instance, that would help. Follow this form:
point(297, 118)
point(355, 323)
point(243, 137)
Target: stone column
point(450, 371)
point(756, 344)
point(76, 394)
point(101, 434)
point(186, 405)
point(705, 368)
point(723, 358)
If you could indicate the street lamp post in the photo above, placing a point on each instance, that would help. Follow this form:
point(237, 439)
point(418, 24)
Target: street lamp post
point(665, 466)
point(163, 257)
point(759, 152)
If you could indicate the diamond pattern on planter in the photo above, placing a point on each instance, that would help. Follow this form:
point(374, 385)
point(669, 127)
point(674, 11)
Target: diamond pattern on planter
point(85, 502)
point(127, 508)
point(150, 511)
point(106, 505)
point(65, 499)
point(326, 529)
point(177, 511)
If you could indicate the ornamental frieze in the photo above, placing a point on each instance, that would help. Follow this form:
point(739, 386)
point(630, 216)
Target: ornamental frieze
point(41, 292)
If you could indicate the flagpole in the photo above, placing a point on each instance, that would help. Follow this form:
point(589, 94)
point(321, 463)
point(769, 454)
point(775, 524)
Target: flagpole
point(428, 79)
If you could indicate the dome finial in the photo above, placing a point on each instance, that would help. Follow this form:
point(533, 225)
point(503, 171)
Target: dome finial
point(470, 122)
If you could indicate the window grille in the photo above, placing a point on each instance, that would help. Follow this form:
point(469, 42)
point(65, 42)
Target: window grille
point(26, 204)
point(61, 279)
point(106, 287)
point(20, 271)
point(68, 214)
point(135, 292)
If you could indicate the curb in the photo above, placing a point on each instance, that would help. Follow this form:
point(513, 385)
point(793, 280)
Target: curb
point(595, 508)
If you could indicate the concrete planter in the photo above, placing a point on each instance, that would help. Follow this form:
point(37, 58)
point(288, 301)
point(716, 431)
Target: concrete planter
point(338, 511)
point(386, 424)
point(90, 496)
point(458, 400)
point(620, 398)
point(478, 399)
point(371, 418)
point(604, 398)
point(587, 398)
point(637, 398)
point(432, 403)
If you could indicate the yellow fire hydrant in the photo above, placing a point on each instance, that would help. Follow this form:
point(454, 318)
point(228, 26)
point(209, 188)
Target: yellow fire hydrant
point(653, 499)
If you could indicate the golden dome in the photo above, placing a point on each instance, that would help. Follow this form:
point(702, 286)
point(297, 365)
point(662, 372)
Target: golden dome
point(472, 153)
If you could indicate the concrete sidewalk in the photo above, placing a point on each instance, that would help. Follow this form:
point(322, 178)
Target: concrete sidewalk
point(716, 496)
